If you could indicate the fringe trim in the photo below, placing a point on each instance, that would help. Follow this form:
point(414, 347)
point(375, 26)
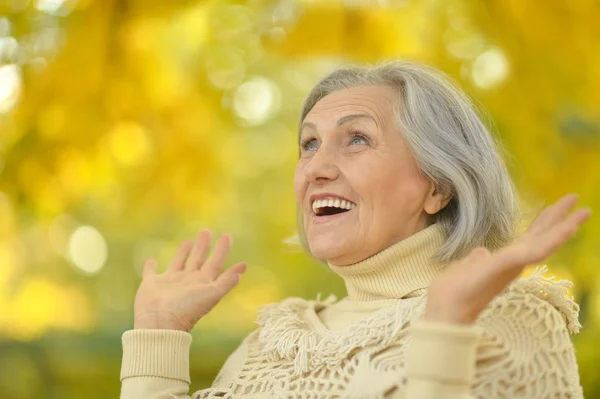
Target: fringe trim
point(551, 291)
point(286, 335)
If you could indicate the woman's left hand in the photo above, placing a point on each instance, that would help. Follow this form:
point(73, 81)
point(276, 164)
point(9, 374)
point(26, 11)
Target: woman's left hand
point(468, 285)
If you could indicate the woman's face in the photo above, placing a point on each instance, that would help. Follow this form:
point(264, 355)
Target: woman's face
point(351, 151)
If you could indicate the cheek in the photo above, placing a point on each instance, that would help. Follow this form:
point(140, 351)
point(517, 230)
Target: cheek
point(374, 183)
point(395, 190)
point(300, 183)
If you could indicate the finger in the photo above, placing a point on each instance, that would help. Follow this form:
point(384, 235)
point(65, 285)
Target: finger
point(562, 207)
point(508, 263)
point(229, 278)
point(545, 244)
point(199, 250)
point(212, 268)
point(149, 268)
point(561, 233)
point(556, 212)
point(181, 255)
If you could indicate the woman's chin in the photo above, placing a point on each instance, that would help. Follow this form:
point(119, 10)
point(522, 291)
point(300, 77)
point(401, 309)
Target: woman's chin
point(328, 250)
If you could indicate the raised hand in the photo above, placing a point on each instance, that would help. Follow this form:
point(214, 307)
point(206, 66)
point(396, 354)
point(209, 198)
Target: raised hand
point(190, 287)
point(467, 286)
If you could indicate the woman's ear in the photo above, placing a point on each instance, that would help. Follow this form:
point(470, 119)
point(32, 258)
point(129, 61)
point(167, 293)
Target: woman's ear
point(437, 199)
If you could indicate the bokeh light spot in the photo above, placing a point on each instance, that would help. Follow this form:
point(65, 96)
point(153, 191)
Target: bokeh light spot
point(4, 26)
point(129, 143)
point(490, 69)
point(53, 7)
point(257, 100)
point(9, 49)
point(41, 304)
point(10, 87)
point(87, 249)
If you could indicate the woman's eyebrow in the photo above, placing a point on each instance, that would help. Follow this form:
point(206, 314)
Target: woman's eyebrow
point(309, 125)
point(347, 118)
point(341, 121)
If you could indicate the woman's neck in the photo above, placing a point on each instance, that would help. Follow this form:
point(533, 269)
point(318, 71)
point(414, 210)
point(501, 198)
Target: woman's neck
point(402, 270)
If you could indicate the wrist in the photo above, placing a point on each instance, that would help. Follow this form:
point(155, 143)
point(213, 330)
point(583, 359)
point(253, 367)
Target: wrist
point(447, 319)
point(453, 316)
point(154, 323)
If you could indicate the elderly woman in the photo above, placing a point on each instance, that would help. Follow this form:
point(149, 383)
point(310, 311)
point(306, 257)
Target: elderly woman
point(402, 191)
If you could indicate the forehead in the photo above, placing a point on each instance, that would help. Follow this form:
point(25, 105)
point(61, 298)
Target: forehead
point(376, 100)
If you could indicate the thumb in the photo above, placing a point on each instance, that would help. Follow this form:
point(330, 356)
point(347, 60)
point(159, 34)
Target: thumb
point(149, 268)
point(229, 278)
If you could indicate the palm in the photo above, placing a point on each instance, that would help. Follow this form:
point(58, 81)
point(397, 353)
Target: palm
point(180, 297)
point(467, 286)
point(189, 289)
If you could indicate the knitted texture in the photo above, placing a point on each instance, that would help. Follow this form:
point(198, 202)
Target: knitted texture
point(375, 344)
point(524, 350)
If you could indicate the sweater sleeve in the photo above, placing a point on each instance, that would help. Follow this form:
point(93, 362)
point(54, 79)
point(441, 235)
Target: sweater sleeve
point(519, 348)
point(441, 360)
point(155, 364)
point(526, 350)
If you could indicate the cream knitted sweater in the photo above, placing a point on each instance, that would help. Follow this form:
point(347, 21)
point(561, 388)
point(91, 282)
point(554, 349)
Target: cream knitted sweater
point(373, 344)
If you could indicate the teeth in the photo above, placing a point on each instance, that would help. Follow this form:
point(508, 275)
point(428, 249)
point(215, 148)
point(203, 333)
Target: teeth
point(332, 202)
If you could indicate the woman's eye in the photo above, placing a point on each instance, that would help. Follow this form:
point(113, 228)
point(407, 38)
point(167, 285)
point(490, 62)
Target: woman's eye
point(309, 145)
point(358, 140)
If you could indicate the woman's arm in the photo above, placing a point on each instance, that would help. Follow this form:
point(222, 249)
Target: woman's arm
point(155, 364)
point(167, 306)
point(526, 351)
point(519, 348)
point(441, 360)
point(141, 377)
point(466, 288)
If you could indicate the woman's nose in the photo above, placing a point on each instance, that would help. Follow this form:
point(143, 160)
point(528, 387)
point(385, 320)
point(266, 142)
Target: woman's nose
point(322, 167)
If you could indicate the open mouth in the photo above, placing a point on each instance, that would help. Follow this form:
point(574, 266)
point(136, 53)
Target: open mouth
point(330, 210)
point(331, 206)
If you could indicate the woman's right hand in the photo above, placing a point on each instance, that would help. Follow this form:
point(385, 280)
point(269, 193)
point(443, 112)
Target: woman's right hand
point(190, 287)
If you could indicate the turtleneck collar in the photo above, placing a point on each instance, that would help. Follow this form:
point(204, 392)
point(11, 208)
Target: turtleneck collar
point(399, 271)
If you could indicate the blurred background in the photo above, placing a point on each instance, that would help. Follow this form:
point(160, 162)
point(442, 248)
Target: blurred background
point(126, 126)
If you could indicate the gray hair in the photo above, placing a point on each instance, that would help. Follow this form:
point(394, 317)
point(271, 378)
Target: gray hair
point(452, 147)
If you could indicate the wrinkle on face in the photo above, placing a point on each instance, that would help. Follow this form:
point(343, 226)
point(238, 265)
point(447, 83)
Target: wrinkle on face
point(382, 178)
point(355, 102)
